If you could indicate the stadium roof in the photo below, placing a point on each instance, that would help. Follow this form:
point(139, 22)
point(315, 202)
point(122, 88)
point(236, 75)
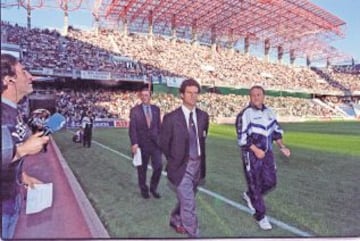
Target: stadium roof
point(296, 25)
point(292, 24)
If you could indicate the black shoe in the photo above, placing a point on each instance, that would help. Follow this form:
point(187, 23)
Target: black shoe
point(155, 194)
point(145, 195)
point(178, 229)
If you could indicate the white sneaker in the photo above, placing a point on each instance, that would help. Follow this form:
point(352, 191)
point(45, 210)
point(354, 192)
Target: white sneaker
point(265, 224)
point(248, 201)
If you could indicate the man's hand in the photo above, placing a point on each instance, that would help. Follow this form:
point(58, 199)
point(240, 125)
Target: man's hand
point(134, 148)
point(285, 151)
point(32, 145)
point(260, 154)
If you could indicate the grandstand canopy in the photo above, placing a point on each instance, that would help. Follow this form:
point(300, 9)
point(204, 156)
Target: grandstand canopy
point(292, 24)
point(296, 26)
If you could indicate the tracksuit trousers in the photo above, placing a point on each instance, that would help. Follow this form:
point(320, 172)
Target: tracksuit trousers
point(260, 175)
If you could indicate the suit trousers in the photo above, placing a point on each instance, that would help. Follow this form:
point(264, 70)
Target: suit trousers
point(261, 178)
point(156, 164)
point(184, 213)
point(87, 137)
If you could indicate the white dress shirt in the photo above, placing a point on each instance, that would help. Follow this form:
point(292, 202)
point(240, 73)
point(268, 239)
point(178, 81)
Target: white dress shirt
point(186, 112)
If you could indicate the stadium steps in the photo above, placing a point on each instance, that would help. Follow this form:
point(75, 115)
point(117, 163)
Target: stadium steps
point(348, 109)
point(71, 215)
point(327, 106)
point(356, 109)
point(113, 43)
point(331, 81)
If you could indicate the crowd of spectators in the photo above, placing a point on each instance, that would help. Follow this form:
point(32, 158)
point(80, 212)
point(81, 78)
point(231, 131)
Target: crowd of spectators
point(117, 104)
point(215, 68)
point(44, 48)
point(113, 52)
point(351, 81)
point(105, 50)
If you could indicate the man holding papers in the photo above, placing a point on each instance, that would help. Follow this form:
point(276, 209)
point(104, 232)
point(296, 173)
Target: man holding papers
point(144, 130)
point(17, 142)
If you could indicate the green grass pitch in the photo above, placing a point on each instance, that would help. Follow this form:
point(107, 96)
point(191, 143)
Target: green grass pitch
point(318, 186)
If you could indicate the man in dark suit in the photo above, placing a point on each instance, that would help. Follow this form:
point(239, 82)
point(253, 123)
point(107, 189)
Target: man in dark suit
point(182, 140)
point(144, 130)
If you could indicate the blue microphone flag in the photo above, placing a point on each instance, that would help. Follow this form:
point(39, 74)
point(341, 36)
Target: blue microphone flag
point(54, 123)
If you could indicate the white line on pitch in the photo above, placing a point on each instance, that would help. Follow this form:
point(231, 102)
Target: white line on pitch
point(239, 206)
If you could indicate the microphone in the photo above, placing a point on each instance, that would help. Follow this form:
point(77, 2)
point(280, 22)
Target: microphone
point(53, 124)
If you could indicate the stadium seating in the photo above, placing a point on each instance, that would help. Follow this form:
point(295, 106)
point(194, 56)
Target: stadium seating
point(112, 52)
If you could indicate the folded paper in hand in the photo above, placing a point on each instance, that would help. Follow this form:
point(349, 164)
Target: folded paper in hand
point(137, 158)
point(39, 198)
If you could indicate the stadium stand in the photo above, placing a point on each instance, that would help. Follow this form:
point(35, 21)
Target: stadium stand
point(347, 69)
point(87, 50)
point(112, 56)
point(114, 104)
point(123, 57)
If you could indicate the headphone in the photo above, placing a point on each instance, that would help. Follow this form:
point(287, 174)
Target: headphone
point(6, 70)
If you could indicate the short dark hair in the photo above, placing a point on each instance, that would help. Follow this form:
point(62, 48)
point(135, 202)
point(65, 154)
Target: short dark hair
point(189, 82)
point(8, 63)
point(257, 87)
point(145, 88)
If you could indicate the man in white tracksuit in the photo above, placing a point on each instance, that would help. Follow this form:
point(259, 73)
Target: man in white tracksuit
point(257, 128)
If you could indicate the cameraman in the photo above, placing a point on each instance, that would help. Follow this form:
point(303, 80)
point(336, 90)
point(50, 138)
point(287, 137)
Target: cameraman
point(17, 141)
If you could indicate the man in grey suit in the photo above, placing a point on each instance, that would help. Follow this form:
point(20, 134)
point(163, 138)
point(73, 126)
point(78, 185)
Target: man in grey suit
point(182, 140)
point(144, 130)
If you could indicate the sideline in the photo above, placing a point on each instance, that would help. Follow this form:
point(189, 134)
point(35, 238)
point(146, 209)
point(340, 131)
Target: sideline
point(238, 206)
point(93, 221)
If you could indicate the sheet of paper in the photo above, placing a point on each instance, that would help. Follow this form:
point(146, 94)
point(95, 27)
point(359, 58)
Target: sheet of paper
point(137, 158)
point(39, 198)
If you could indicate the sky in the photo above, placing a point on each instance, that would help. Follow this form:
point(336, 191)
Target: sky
point(347, 10)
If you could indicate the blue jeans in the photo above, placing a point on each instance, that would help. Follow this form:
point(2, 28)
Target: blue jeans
point(10, 217)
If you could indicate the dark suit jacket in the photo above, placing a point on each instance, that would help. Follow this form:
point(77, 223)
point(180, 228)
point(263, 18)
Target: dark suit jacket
point(139, 133)
point(174, 142)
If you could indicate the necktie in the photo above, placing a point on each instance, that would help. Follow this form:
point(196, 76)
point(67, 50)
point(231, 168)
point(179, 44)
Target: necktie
point(193, 150)
point(148, 115)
